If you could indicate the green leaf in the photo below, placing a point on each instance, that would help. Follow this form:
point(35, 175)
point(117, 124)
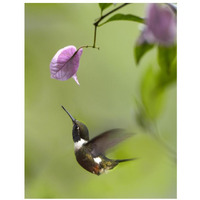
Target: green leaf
point(166, 56)
point(128, 17)
point(152, 97)
point(140, 50)
point(164, 79)
point(103, 6)
point(141, 116)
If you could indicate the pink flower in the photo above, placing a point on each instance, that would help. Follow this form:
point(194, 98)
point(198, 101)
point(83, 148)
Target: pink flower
point(65, 63)
point(160, 25)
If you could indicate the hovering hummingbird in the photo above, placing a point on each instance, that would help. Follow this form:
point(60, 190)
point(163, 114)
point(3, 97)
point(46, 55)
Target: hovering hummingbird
point(90, 154)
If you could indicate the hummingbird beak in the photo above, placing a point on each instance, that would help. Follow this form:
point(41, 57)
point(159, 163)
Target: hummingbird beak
point(73, 120)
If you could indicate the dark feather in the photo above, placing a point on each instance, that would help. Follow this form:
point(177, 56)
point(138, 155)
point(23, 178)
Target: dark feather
point(101, 143)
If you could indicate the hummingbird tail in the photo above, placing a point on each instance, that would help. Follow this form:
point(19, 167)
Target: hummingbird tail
point(124, 160)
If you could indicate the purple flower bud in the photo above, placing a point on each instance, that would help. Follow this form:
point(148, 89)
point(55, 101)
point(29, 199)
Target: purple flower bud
point(160, 25)
point(65, 63)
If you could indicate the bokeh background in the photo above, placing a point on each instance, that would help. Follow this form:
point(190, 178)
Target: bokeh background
point(110, 82)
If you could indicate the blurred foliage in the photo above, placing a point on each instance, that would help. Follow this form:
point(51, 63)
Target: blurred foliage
point(152, 98)
point(109, 80)
point(141, 49)
point(167, 57)
point(103, 6)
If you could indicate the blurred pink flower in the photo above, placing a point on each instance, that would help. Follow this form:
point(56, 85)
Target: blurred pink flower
point(160, 25)
point(65, 63)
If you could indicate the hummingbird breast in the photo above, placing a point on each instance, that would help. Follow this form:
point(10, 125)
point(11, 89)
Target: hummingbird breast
point(95, 165)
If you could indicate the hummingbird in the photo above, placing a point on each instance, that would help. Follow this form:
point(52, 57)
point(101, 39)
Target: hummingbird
point(90, 154)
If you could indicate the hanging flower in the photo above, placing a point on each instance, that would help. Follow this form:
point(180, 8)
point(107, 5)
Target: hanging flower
point(160, 25)
point(65, 63)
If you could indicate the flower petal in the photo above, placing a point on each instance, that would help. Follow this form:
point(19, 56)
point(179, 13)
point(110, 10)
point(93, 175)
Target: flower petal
point(75, 78)
point(65, 63)
point(161, 25)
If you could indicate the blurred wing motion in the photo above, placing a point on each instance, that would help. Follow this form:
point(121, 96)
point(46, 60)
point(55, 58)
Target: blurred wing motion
point(106, 140)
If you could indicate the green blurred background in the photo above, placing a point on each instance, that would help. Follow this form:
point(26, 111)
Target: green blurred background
point(109, 83)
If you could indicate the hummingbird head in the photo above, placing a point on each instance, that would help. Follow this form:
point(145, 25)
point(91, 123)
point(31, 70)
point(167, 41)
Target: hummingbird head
point(79, 131)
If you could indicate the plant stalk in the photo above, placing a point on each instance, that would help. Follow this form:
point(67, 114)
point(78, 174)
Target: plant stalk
point(101, 18)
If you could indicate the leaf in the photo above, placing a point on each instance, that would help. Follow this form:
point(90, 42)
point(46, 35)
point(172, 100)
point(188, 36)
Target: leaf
point(127, 17)
point(152, 97)
point(103, 6)
point(164, 79)
point(141, 49)
point(141, 116)
point(166, 56)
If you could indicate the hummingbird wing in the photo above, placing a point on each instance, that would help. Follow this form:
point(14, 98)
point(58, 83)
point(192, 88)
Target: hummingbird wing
point(106, 140)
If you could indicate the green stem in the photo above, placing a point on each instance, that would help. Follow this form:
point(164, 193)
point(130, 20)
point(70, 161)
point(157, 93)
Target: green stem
point(166, 146)
point(86, 46)
point(101, 18)
point(157, 136)
point(95, 34)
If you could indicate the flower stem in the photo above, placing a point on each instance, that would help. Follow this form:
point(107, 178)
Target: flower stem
point(85, 46)
point(95, 35)
point(101, 18)
point(172, 153)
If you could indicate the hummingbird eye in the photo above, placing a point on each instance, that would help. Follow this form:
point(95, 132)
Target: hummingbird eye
point(76, 133)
